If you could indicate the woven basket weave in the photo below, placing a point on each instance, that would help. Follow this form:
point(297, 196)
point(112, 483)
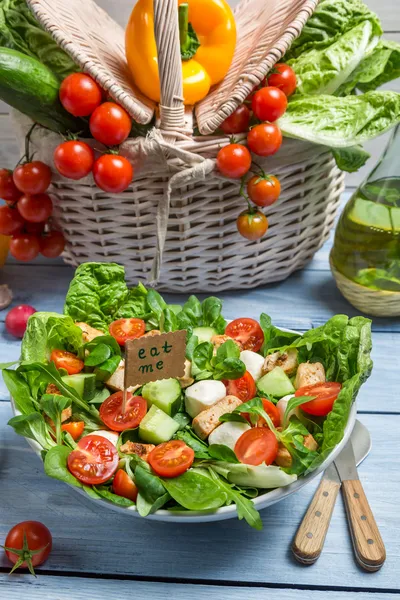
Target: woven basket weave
point(176, 225)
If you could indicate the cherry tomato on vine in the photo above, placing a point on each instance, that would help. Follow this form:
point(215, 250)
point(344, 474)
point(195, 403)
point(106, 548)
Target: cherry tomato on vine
point(110, 124)
point(284, 79)
point(80, 95)
point(238, 121)
point(24, 246)
point(124, 486)
point(32, 177)
point(28, 545)
point(234, 161)
point(264, 139)
point(8, 190)
point(263, 190)
point(35, 228)
point(52, 244)
point(10, 220)
point(252, 225)
point(113, 173)
point(269, 104)
point(35, 209)
point(74, 159)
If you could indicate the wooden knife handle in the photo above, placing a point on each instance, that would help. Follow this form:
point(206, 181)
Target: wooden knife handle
point(310, 537)
point(367, 542)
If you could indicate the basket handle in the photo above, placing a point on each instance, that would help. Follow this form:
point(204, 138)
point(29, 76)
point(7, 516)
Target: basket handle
point(166, 31)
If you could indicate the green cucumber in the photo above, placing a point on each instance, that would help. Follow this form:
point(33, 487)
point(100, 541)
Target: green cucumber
point(83, 383)
point(165, 394)
point(275, 383)
point(204, 334)
point(157, 427)
point(30, 87)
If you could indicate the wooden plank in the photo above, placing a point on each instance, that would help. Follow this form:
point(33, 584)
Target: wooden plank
point(90, 539)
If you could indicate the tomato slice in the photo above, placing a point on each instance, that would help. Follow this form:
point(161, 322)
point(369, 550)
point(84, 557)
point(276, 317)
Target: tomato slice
point(171, 458)
point(272, 411)
point(243, 388)
point(111, 411)
point(127, 329)
point(124, 486)
point(326, 394)
point(75, 429)
point(247, 332)
point(68, 361)
point(256, 446)
point(94, 460)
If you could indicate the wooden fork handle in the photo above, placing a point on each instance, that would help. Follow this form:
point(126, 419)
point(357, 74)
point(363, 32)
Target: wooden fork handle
point(310, 537)
point(367, 542)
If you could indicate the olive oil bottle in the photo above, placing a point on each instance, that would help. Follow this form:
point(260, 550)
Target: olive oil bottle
point(366, 251)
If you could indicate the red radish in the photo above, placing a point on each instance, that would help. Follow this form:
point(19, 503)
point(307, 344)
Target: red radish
point(17, 319)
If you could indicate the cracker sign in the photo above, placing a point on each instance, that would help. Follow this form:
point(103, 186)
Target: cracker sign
point(155, 357)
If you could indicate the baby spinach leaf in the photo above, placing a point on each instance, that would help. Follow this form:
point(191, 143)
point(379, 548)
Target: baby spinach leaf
point(222, 452)
point(227, 350)
point(34, 427)
point(183, 419)
point(235, 417)
point(19, 390)
point(100, 395)
point(55, 465)
point(202, 356)
point(191, 440)
point(114, 498)
point(150, 486)
point(195, 490)
point(146, 508)
point(98, 355)
point(230, 368)
point(108, 340)
point(107, 368)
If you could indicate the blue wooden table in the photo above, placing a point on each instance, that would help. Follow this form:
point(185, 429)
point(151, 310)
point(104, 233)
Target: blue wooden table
point(100, 554)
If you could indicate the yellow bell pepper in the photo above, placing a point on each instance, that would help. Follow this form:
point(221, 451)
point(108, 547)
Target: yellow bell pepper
point(205, 61)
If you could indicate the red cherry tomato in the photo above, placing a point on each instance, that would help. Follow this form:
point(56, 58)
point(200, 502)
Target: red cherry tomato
point(24, 246)
point(171, 458)
point(243, 388)
point(38, 545)
point(124, 486)
point(52, 244)
point(17, 319)
point(35, 209)
point(284, 79)
point(237, 122)
point(127, 329)
point(33, 177)
point(68, 361)
point(94, 460)
point(256, 446)
point(35, 228)
point(10, 220)
point(75, 429)
point(80, 95)
point(74, 159)
point(272, 411)
point(252, 225)
point(263, 191)
point(269, 104)
point(265, 139)
point(247, 332)
point(112, 173)
point(110, 124)
point(111, 411)
point(234, 161)
point(8, 190)
point(326, 394)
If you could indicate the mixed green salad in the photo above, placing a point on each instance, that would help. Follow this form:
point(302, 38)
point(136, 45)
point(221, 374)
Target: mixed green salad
point(257, 407)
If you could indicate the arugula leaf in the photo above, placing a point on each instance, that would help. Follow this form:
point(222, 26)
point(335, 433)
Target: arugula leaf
point(34, 427)
point(53, 405)
point(294, 403)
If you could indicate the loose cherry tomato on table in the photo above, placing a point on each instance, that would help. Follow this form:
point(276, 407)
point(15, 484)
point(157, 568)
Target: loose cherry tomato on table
point(113, 173)
point(263, 190)
point(269, 104)
point(32, 177)
point(24, 246)
point(243, 388)
point(237, 122)
point(264, 139)
point(325, 395)
point(256, 446)
point(272, 411)
point(171, 459)
point(28, 545)
point(52, 244)
point(35, 209)
point(283, 78)
point(94, 460)
point(111, 411)
point(80, 95)
point(127, 329)
point(247, 332)
point(68, 361)
point(75, 429)
point(17, 319)
point(8, 190)
point(10, 220)
point(74, 159)
point(252, 225)
point(124, 486)
point(234, 161)
point(110, 124)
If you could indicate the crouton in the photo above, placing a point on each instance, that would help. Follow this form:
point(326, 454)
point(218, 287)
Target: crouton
point(283, 458)
point(116, 381)
point(310, 443)
point(142, 450)
point(88, 332)
point(53, 389)
point(218, 340)
point(309, 374)
point(66, 413)
point(208, 419)
point(151, 333)
point(187, 379)
point(286, 360)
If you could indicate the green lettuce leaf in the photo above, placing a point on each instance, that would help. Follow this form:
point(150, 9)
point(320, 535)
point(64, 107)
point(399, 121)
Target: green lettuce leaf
point(350, 159)
point(48, 331)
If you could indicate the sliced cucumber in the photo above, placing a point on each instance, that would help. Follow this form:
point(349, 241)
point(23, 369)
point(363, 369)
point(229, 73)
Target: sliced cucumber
point(275, 383)
point(83, 383)
point(204, 334)
point(157, 427)
point(165, 394)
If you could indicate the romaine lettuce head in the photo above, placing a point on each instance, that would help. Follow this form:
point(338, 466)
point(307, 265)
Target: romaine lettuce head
point(47, 331)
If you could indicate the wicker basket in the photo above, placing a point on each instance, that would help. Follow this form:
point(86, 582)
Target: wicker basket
point(176, 225)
